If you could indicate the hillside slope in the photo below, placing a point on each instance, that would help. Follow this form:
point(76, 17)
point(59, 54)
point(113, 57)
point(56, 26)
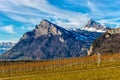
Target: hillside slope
point(109, 42)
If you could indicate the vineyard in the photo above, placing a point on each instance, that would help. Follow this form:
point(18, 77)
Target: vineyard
point(85, 68)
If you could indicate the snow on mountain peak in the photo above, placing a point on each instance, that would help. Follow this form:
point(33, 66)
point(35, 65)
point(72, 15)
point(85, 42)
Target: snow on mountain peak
point(93, 29)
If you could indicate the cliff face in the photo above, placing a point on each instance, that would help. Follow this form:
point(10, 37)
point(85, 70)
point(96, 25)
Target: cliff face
point(109, 42)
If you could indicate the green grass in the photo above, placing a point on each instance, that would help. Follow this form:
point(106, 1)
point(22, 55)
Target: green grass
point(68, 69)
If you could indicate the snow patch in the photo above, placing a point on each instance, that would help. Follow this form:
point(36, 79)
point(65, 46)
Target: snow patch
point(61, 40)
point(93, 29)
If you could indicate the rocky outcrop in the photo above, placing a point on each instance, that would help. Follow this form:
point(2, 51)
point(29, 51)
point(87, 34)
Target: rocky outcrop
point(109, 42)
point(89, 52)
point(114, 31)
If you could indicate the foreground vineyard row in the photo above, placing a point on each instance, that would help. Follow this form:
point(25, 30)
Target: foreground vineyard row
point(56, 67)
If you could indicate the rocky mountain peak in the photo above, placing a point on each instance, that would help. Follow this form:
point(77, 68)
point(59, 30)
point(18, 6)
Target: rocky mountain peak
point(94, 26)
point(45, 22)
point(92, 23)
point(44, 28)
point(47, 28)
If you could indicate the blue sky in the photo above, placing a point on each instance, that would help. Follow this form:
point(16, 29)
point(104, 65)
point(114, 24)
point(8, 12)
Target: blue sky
point(19, 16)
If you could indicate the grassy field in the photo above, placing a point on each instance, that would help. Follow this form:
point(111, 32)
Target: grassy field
point(85, 68)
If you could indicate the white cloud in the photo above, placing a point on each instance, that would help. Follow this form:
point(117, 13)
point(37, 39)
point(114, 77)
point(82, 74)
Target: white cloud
point(30, 11)
point(112, 21)
point(76, 21)
point(95, 11)
point(27, 27)
point(8, 29)
point(92, 6)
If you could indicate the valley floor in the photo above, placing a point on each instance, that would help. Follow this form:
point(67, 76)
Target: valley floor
point(85, 68)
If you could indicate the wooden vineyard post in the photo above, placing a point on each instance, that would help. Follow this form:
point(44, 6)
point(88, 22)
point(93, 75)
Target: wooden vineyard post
point(99, 60)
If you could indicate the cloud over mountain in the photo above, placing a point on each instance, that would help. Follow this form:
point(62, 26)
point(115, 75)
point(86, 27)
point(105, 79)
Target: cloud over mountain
point(8, 29)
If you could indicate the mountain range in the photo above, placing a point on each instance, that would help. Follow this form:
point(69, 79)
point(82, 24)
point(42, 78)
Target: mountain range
point(4, 46)
point(50, 41)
